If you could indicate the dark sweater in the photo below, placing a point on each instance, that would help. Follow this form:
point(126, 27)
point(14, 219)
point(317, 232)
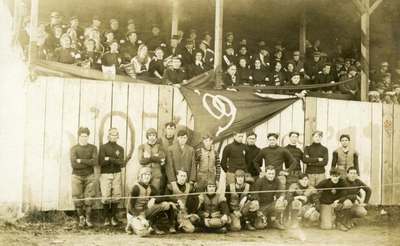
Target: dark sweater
point(116, 154)
point(135, 192)
point(263, 184)
point(88, 159)
point(251, 153)
point(297, 154)
point(233, 157)
point(311, 155)
point(332, 193)
point(353, 193)
point(275, 156)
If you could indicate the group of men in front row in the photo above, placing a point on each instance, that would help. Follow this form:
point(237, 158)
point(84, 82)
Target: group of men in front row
point(178, 185)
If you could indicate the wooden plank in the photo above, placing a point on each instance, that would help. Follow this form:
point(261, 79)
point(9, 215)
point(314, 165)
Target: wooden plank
point(274, 124)
point(322, 117)
point(119, 120)
point(286, 125)
point(165, 105)
point(310, 119)
point(396, 155)
point(179, 109)
point(34, 143)
point(298, 120)
point(70, 123)
point(135, 136)
point(387, 152)
point(150, 108)
point(261, 131)
point(376, 154)
point(95, 113)
point(52, 144)
point(334, 127)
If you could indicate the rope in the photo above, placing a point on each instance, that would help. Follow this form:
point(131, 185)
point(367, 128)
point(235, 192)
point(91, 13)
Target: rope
point(199, 193)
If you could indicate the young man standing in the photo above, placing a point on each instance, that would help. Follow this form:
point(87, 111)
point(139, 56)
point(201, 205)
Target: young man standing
point(151, 154)
point(180, 156)
point(272, 203)
point(276, 156)
point(332, 201)
point(207, 163)
point(242, 209)
point(315, 157)
point(345, 157)
point(111, 160)
point(251, 152)
point(297, 154)
point(233, 157)
point(143, 209)
point(83, 159)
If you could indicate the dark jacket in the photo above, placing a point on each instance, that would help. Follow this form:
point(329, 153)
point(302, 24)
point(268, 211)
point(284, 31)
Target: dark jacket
point(233, 157)
point(311, 155)
point(180, 159)
point(263, 184)
point(331, 191)
point(116, 154)
point(275, 156)
point(88, 159)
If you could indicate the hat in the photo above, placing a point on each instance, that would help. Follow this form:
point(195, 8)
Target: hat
point(296, 53)
point(262, 43)
point(129, 33)
point(204, 42)
point(352, 68)
point(239, 173)
point(206, 33)
point(327, 64)
point(113, 20)
point(83, 130)
point(151, 131)
point(384, 64)
point(317, 53)
point(155, 26)
point(229, 33)
point(273, 134)
point(55, 14)
point(229, 47)
point(175, 37)
point(294, 132)
point(193, 31)
point(131, 21)
point(189, 42)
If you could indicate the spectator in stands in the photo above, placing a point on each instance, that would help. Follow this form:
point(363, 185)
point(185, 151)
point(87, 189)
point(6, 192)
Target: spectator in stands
point(208, 39)
point(66, 54)
point(315, 158)
point(193, 37)
point(230, 77)
point(263, 57)
point(277, 76)
point(351, 88)
point(96, 36)
point(198, 67)
point(109, 39)
point(374, 96)
point(157, 64)
point(338, 71)
point(173, 49)
point(53, 40)
point(378, 75)
point(129, 49)
point(90, 57)
point(187, 53)
point(313, 67)
point(244, 73)
point(260, 74)
point(396, 75)
point(325, 77)
point(229, 58)
point(230, 39)
point(385, 84)
point(208, 55)
point(175, 75)
point(278, 55)
point(141, 61)
point(96, 23)
point(75, 32)
point(297, 62)
point(111, 60)
point(131, 27)
point(114, 28)
point(243, 53)
point(288, 72)
point(155, 40)
point(55, 20)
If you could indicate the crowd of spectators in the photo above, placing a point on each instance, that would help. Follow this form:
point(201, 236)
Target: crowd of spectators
point(117, 49)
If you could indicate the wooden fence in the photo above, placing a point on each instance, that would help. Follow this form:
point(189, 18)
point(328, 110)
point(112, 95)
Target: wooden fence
point(56, 107)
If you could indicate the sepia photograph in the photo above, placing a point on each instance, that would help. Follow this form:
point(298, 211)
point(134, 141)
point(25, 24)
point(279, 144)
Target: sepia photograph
point(200, 122)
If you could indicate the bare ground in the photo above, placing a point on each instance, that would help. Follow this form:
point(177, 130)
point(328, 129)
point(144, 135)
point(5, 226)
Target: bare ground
point(376, 229)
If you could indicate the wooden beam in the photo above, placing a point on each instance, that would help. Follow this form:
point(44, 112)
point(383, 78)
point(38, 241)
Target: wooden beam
point(364, 51)
point(175, 17)
point(219, 19)
point(33, 30)
point(374, 6)
point(303, 31)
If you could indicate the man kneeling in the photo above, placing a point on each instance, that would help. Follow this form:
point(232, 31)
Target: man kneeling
point(242, 209)
point(185, 202)
point(142, 210)
point(302, 198)
point(213, 209)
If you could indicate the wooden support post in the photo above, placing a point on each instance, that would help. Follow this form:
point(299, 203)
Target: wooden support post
point(33, 30)
point(175, 17)
point(303, 31)
point(364, 50)
point(219, 19)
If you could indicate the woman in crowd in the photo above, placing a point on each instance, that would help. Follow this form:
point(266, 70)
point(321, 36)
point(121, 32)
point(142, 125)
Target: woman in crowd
point(157, 64)
point(141, 61)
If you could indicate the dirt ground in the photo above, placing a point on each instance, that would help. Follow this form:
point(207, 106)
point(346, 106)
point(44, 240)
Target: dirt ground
point(377, 229)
